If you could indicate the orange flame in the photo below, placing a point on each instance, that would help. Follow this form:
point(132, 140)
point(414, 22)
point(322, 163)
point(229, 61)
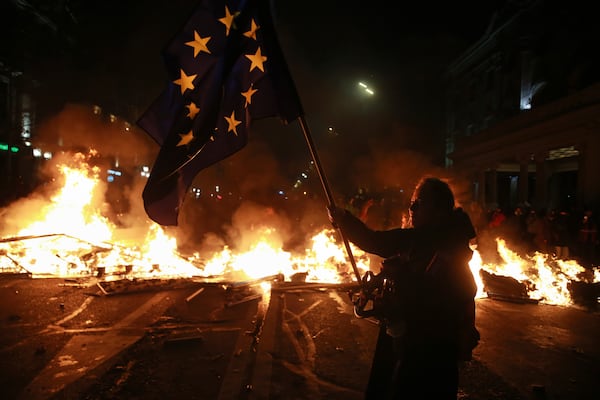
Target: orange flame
point(71, 211)
point(68, 237)
point(546, 275)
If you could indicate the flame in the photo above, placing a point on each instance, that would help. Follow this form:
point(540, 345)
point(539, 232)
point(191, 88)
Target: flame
point(475, 266)
point(547, 277)
point(71, 211)
point(68, 236)
point(323, 262)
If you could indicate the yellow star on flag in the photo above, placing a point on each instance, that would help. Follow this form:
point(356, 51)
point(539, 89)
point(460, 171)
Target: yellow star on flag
point(193, 110)
point(185, 81)
point(185, 138)
point(227, 20)
point(199, 44)
point(252, 32)
point(248, 95)
point(233, 123)
point(257, 60)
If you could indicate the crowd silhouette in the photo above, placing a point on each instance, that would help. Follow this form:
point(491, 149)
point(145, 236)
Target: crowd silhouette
point(560, 233)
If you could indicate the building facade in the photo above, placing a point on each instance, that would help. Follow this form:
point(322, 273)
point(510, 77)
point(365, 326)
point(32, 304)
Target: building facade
point(17, 118)
point(523, 110)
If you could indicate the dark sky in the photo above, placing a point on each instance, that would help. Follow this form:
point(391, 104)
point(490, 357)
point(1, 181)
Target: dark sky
point(108, 53)
point(399, 47)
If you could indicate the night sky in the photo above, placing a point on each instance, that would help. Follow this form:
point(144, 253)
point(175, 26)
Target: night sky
point(113, 45)
point(108, 53)
point(401, 52)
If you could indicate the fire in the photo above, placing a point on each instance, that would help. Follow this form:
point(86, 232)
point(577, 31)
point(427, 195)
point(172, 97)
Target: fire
point(67, 236)
point(71, 211)
point(547, 278)
point(325, 261)
point(475, 266)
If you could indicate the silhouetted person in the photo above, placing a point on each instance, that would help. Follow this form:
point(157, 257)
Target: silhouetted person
point(497, 219)
point(560, 234)
point(588, 238)
point(428, 326)
point(539, 227)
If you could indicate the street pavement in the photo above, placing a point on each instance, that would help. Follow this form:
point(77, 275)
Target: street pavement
point(186, 339)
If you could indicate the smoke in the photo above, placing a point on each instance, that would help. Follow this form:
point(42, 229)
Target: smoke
point(83, 127)
point(249, 182)
point(242, 197)
point(391, 161)
point(389, 171)
point(15, 216)
point(246, 195)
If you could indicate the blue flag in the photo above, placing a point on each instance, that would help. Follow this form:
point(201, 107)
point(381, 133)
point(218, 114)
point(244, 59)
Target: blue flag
point(225, 69)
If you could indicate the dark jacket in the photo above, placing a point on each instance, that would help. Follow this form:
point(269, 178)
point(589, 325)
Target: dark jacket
point(435, 288)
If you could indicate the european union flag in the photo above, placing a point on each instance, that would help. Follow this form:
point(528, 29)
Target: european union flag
point(225, 69)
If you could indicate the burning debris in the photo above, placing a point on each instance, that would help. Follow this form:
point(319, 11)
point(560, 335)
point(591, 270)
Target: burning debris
point(127, 286)
point(22, 254)
point(193, 295)
point(505, 288)
point(62, 255)
point(585, 293)
point(538, 278)
point(67, 236)
point(243, 292)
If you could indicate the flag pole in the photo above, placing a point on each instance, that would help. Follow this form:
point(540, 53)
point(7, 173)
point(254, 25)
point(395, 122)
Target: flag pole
point(327, 190)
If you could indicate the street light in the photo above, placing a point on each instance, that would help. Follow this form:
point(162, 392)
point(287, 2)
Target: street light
point(366, 88)
point(332, 131)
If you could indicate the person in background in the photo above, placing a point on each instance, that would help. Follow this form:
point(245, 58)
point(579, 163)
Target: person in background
point(588, 238)
point(560, 235)
point(429, 326)
point(496, 219)
point(539, 228)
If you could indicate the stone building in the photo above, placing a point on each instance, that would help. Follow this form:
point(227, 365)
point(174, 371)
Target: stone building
point(523, 109)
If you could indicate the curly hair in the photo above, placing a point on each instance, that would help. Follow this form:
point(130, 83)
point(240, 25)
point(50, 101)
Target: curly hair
point(438, 191)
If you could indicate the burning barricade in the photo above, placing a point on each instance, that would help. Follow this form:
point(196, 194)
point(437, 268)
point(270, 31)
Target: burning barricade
point(538, 278)
point(66, 236)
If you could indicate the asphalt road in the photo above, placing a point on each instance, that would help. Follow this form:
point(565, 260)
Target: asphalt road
point(86, 339)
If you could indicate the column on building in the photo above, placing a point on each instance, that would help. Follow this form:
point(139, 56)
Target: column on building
point(541, 180)
point(523, 183)
point(481, 186)
point(493, 185)
point(590, 164)
point(581, 174)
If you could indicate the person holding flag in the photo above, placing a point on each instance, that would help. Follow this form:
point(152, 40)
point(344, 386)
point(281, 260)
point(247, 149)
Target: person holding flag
point(427, 321)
